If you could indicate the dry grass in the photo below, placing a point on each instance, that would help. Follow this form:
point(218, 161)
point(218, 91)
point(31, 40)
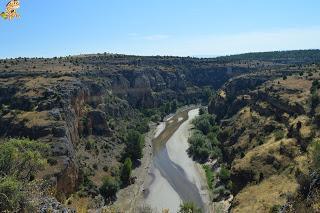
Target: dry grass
point(296, 83)
point(35, 118)
point(261, 198)
point(80, 204)
point(294, 90)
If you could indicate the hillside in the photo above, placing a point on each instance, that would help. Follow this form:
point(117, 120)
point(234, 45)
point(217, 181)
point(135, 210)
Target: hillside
point(269, 124)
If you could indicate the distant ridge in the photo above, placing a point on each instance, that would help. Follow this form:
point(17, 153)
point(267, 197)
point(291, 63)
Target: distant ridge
point(293, 56)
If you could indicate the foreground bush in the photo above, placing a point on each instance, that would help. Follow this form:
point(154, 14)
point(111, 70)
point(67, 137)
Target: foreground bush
point(20, 160)
point(11, 194)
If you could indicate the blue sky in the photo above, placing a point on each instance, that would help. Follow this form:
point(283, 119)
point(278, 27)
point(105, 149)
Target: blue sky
point(159, 27)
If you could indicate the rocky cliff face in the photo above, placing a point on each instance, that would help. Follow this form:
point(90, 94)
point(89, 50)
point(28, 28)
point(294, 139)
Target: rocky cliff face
point(267, 125)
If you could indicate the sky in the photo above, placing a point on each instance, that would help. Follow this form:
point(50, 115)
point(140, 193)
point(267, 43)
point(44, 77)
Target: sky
point(50, 28)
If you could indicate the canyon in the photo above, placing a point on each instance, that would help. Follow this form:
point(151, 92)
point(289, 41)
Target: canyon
point(82, 106)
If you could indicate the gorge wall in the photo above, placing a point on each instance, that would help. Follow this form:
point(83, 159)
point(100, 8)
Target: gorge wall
point(60, 108)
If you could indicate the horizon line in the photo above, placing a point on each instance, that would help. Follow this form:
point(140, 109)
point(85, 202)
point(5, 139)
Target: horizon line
point(200, 56)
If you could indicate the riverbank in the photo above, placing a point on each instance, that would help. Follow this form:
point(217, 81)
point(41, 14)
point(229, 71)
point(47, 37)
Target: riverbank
point(128, 199)
point(131, 198)
point(174, 177)
point(177, 147)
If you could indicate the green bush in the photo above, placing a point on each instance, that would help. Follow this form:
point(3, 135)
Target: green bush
point(11, 195)
point(189, 207)
point(199, 147)
point(109, 188)
point(216, 152)
point(126, 171)
point(142, 126)
point(22, 158)
point(212, 136)
point(202, 111)
point(279, 134)
point(135, 143)
point(155, 118)
point(90, 144)
point(203, 125)
point(209, 175)
point(201, 122)
point(204, 142)
point(224, 174)
point(174, 106)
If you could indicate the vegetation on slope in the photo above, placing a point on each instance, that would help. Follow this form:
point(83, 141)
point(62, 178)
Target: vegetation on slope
point(294, 56)
point(268, 134)
point(20, 160)
point(189, 207)
point(203, 142)
point(206, 148)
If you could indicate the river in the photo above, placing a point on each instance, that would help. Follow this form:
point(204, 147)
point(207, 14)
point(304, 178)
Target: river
point(174, 177)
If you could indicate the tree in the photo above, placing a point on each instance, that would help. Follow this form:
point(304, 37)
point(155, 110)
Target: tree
point(199, 147)
point(202, 111)
point(126, 171)
point(135, 143)
point(167, 107)
point(203, 125)
point(109, 188)
point(208, 94)
point(189, 207)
